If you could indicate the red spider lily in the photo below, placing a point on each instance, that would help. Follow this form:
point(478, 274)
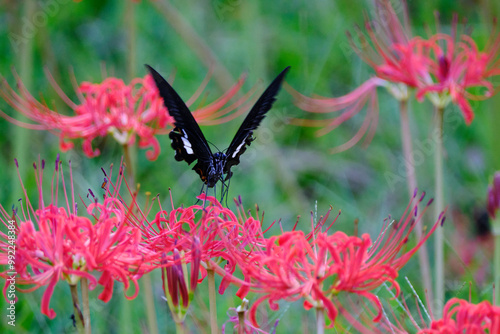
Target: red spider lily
point(456, 66)
point(440, 68)
point(349, 105)
point(54, 243)
point(319, 267)
point(218, 233)
point(113, 108)
point(391, 52)
point(494, 196)
point(460, 316)
point(388, 49)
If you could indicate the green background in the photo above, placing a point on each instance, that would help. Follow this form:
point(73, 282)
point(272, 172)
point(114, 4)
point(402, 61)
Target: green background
point(287, 174)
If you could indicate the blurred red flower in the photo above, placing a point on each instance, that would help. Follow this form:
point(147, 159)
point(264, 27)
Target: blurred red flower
point(459, 316)
point(54, 243)
point(442, 68)
point(113, 108)
point(455, 65)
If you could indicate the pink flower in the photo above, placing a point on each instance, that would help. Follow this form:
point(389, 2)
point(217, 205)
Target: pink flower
point(392, 54)
point(388, 48)
point(442, 68)
point(218, 231)
point(112, 108)
point(54, 243)
point(318, 267)
point(456, 66)
point(460, 316)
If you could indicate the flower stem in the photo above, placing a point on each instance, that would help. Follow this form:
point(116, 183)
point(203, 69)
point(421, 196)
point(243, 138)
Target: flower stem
point(320, 320)
point(130, 27)
point(19, 134)
point(212, 300)
point(496, 258)
point(126, 313)
point(80, 326)
point(129, 166)
point(84, 283)
point(150, 304)
point(179, 327)
point(241, 322)
point(411, 179)
point(439, 205)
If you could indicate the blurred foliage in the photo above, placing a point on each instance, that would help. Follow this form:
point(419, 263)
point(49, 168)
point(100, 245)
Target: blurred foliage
point(287, 171)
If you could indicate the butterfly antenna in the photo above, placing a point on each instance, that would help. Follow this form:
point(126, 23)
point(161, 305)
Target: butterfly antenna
point(214, 146)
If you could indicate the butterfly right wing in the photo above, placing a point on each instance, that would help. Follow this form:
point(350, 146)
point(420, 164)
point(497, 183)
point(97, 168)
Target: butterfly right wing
point(243, 136)
point(188, 141)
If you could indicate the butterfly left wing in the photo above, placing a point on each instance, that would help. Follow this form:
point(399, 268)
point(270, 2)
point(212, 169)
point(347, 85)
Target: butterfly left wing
point(243, 136)
point(188, 141)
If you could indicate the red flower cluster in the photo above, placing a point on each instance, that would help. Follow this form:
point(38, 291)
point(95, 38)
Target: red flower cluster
point(442, 68)
point(55, 243)
point(317, 267)
point(214, 227)
point(454, 66)
point(113, 108)
point(460, 316)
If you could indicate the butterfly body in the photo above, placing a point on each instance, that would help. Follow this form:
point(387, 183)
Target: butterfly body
point(190, 144)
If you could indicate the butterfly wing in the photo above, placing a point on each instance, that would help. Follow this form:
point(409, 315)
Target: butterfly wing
point(188, 141)
point(243, 136)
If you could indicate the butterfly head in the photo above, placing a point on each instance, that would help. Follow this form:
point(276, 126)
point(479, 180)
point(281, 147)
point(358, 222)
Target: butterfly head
point(219, 156)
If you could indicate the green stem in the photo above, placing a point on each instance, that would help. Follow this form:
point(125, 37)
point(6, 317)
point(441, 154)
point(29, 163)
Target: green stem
point(80, 325)
point(20, 135)
point(150, 304)
point(84, 283)
point(125, 307)
point(439, 205)
point(130, 27)
point(212, 301)
point(241, 322)
point(179, 327)
point(125, 325)
point(411, 179)
point(130, 168)
point(496, 258)
point(494, 120)
point(320, 320)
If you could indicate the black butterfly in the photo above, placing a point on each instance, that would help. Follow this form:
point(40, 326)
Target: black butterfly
point(190, 144)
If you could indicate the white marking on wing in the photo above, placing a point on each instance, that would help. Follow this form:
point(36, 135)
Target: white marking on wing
point(187, 145)
point(238, 149)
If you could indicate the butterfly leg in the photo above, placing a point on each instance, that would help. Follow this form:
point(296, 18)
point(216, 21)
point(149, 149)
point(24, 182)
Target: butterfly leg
point(201, 192)
point(225, 190)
